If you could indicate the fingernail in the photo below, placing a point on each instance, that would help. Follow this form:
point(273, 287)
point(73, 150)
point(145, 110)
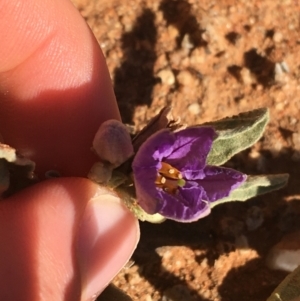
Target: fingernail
point(107, 237)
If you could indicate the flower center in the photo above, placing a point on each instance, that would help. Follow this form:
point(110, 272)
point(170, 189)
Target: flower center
point(169, 178)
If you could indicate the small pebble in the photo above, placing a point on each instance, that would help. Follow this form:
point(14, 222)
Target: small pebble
point(198, 57)
point(148, 298)
point(285, 255)
point(186, 42)
point(277, 38)
point(293, 120)
point(280, 70)
point(247, 77)
point(185, 78)
point(194, 108)
point(285, 67)
point(167, 76)
point(134, 278)
point(284, 260)
point(165, 252)
point(279, 106)
point(204, 263)
point(252, 21)
point(173, 32)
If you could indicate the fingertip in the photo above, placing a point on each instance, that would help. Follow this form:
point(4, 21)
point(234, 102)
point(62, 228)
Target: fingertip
point(37, 232)
point(64, 239)
point(107, 237)
point(55, 89)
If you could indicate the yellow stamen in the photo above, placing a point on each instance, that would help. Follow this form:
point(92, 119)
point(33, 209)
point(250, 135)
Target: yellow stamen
point(171, 171)
point(169, 178)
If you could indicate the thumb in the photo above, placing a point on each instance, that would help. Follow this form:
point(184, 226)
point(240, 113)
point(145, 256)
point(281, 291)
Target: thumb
point(63, 239)
point(55, 89)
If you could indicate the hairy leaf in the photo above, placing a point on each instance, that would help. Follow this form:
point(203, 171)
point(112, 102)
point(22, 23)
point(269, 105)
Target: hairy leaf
point(255, 185)
point(236, 134)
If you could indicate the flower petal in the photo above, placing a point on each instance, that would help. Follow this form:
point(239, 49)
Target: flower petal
point(186, 206)
point(146, 192)
point(154, 149)
point(220, 181)
point(190, 150)
point(145, 167)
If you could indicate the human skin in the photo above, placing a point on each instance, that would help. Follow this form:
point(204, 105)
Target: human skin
point(61, 239)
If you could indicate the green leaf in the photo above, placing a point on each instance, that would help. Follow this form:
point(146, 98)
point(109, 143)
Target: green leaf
point(253, 186)
point(236, 134)
point(288, 289)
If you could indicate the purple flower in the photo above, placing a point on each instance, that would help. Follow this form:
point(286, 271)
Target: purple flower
point(171, 176)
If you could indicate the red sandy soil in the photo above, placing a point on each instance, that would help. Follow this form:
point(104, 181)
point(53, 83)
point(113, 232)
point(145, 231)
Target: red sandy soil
point(209, 59)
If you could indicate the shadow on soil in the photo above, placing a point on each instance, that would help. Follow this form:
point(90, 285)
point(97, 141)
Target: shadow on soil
point(251, 282)
point(260, 66)
point(179, 14)
point(134, 79)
